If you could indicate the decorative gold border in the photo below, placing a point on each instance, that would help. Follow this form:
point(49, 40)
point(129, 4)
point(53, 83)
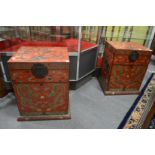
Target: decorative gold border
point(145, 103)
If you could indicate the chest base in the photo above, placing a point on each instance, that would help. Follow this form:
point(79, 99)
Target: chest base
point(44, 117)
point(114, 92)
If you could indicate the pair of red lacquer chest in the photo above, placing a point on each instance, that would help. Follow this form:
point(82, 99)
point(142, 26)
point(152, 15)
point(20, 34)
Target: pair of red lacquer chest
point(40, 78)
point(123, 68)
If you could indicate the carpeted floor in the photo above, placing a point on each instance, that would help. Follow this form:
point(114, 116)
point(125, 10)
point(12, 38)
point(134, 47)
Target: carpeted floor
point(89, 109)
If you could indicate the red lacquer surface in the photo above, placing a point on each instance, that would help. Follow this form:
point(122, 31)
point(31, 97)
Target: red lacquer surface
point(127, 46)
point(40, 54)
point(21, 75)
point(42, 99)
point(99, 62)
point(41, 96)
point(7, 43)
point(71, 44)
point(118, 71)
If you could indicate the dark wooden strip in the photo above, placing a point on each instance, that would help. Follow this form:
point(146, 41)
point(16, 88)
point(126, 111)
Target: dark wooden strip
point(147, 33)
point(130, 32)
point(30, 32)
point(90, 32)
point(125, 32)
point(99, 32)
point(105, 32)
point(112, 32)
point(72, 31)
point(119, 30)
point(153, 45)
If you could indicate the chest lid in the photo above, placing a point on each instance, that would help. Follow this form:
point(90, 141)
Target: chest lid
point(53, 57)
point(129, 46)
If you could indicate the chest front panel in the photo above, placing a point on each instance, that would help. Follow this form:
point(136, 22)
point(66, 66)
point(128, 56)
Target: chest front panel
point(126, 77)
point(42, 98)
point(123, 57)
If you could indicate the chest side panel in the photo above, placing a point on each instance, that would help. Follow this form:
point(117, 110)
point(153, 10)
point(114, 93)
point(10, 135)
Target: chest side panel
point(108, 60)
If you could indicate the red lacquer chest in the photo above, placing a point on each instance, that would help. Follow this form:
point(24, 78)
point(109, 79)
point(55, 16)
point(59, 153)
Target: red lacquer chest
point(40, 78)
point(124, 67)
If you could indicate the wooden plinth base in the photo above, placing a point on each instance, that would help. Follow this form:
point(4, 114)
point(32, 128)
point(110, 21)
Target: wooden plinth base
point(113, 92)
point(44, 117)
point(120, 92)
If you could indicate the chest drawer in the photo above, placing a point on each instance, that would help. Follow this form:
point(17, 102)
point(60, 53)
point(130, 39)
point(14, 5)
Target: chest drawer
point(25, 76)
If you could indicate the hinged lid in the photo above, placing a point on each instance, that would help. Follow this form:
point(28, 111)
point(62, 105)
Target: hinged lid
point(128, 46)
point(53, 57)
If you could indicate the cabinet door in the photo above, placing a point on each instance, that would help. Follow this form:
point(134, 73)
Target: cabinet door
point(42, 98)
